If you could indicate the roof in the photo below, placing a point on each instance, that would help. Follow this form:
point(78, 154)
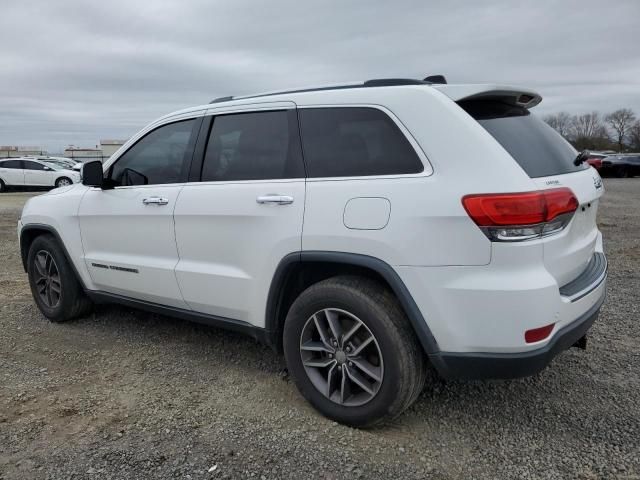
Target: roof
point(349, 91)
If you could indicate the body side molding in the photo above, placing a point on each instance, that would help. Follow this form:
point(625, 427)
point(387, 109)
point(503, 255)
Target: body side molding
point(189, 315)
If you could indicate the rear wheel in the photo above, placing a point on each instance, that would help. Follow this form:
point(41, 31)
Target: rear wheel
point(3, 187)
point(63, 182)
point(351, 351)
point(54, 287)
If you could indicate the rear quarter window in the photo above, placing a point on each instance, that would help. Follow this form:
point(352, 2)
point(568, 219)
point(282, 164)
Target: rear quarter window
point(353, 142)
point(538, 148)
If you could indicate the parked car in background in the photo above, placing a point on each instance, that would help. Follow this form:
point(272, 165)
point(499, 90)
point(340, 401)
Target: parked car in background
point(72, 165)
point(28, 172)
point(621, 166)
point(60, 161)
point(595, 159)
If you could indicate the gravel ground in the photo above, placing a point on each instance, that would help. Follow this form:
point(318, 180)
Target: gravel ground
point(126, 394)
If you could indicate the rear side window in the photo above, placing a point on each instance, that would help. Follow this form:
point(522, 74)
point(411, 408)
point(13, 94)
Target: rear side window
point(537, 147)
point(354, 141)
point(253, 146)
point(33, 166)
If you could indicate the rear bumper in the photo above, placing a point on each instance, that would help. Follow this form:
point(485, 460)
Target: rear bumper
point(514, 365)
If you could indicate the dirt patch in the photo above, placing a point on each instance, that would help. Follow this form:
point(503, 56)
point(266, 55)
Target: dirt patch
point(127, 394)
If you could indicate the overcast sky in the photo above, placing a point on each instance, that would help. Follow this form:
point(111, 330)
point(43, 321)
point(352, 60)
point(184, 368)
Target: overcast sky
point(73, 72)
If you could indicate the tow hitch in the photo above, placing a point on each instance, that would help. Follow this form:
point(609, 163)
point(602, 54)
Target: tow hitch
point(581, 343)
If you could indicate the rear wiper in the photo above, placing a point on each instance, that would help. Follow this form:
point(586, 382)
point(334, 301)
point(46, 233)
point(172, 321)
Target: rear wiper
point(582, 157)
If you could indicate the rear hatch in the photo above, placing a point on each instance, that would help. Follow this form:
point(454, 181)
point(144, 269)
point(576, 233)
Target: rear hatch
point(548, 159)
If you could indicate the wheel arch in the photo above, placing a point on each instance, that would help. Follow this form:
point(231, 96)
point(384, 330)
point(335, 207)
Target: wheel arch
point(299, 270)
point(30, 232)
point(60, 178)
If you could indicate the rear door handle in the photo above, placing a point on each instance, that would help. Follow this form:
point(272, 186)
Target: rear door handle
point(275, 199)
point(155, 201)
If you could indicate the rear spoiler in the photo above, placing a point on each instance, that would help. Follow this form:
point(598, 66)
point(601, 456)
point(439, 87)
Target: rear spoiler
point(513, 95)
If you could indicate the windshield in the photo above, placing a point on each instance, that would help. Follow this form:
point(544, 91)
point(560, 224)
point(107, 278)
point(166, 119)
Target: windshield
point(54, 165)
point(537, 147)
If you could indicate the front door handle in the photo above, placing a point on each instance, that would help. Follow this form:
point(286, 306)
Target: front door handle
point(155, 201)
point(275, 199)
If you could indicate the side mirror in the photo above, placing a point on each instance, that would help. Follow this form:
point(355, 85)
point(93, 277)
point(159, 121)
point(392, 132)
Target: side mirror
point(92, 174)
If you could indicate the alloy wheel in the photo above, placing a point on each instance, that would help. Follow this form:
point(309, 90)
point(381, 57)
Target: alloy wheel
point(47, 279)
point(341, 357)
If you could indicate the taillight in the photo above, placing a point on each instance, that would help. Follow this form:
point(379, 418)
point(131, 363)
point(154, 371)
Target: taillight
point(512, 217)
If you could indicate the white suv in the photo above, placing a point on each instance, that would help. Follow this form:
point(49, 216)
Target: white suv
point(365, 230)
point(31, 172)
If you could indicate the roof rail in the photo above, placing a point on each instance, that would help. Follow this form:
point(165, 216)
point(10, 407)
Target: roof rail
point(376, 82)
point(391, 82)
point(222, 99)
point(436, 79)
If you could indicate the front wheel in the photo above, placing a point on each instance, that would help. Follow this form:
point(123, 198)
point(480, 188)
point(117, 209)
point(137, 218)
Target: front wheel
point(351, 351)
point(54, 286)
point(63, 182)
point(2, 186)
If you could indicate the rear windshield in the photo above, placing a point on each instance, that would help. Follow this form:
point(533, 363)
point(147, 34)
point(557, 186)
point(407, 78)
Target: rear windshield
point(537, 147)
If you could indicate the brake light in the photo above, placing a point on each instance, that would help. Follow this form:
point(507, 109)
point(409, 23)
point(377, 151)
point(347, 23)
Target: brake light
point(521, 216)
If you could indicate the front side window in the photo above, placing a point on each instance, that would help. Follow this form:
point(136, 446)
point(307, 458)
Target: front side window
point(13, 164)
point(162, 156)
point(252, 146)
point(354, 141)
point(33, 165)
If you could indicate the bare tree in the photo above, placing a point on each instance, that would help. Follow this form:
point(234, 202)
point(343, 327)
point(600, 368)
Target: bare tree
point(634, 136)
point(561, 122)
point(620, 122)
point(587, 125)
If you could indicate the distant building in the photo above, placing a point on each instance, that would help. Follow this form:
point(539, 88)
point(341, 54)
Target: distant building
point(83, 154)
point(19, 151)
point(101, 152)
point(109, 147)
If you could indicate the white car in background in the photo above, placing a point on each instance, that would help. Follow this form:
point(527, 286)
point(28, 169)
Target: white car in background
point(27, 172)
point(63, 162)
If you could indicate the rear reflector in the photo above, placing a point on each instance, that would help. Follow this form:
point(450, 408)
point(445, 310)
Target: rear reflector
point(537, 334)
point(521, 216)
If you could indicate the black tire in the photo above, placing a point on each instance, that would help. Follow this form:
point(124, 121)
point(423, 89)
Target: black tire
point(621, 172)
point(71, 301)
point(3, 187)
point(377, 308)
point(61, 180)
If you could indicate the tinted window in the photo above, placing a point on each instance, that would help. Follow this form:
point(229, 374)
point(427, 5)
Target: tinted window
point(253, 146)
point(346, 142)
point(537, 147)
point(17, 164)
point(162, 156)
point(32, 165)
